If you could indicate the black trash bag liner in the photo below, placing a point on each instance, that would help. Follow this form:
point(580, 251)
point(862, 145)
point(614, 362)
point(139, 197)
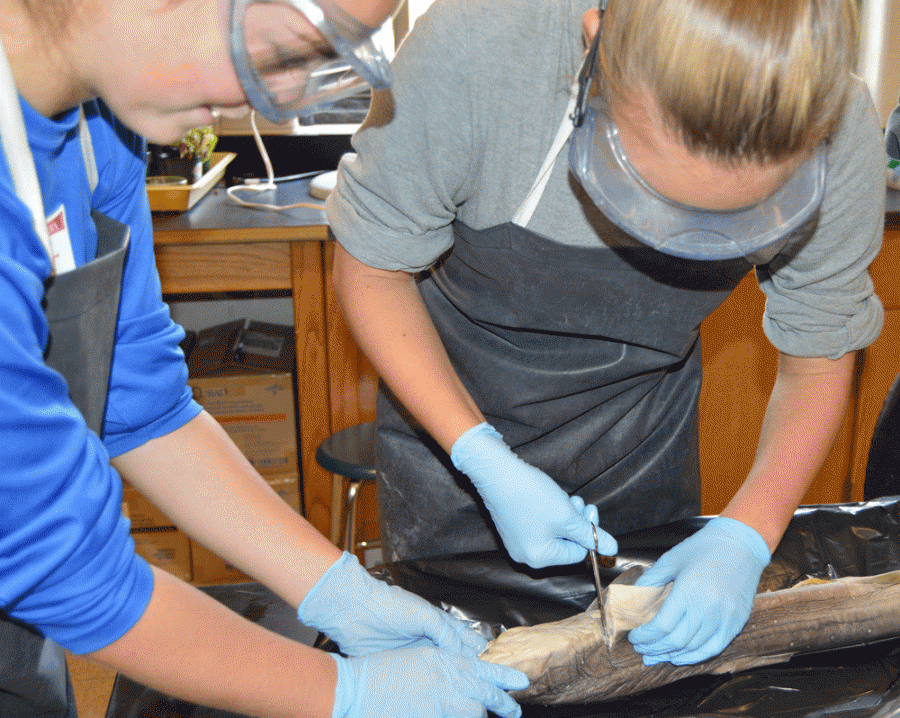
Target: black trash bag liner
point(821, 541)
point(491, 593)
point(253, 601)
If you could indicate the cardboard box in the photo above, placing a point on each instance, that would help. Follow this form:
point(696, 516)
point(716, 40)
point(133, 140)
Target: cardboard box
point(239, 345)
point(257, 411)
point(168, 548)
point(209, 568)
point(140, 511)
point(265, 346)
point(214, 349)
point(187, 344)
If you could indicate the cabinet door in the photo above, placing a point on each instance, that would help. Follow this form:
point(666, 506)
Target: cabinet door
point(739, 368)
point(881, 361)
point(353, 389)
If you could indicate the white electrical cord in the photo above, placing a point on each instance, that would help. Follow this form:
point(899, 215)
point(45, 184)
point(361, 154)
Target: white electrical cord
point(260, 185)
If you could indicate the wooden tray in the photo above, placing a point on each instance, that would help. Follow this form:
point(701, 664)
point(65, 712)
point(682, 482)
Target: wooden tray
point(181, 197)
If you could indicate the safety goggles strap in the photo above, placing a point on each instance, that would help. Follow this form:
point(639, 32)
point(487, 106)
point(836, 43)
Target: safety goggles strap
point(586, 74)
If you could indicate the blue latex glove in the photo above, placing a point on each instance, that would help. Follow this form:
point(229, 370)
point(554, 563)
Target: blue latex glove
point(539, 523)
point(424, 683)
point(716, 573)
point(363, 615)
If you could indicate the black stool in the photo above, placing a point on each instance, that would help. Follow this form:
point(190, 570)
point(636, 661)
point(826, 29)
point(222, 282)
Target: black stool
point(349, 453)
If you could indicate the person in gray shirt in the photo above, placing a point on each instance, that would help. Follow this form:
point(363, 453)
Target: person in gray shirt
point(535, 320)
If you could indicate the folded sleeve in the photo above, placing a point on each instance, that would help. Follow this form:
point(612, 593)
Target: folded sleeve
point(148, 393)
point(398, 194)
point(820, 299)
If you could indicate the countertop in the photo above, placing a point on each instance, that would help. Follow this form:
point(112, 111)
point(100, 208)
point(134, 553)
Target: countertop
point(216, 214)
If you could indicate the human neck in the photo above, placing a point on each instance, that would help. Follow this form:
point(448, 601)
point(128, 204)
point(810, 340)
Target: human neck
point(42, 73)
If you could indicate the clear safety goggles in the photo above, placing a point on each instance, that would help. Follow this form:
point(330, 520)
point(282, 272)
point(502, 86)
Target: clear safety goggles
point(293, 57)
point(598, 162)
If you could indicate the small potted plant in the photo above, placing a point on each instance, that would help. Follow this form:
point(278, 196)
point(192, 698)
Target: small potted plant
point(188, 159)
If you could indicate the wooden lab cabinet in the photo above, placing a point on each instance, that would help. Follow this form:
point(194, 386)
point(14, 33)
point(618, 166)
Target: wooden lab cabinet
point(880, 362)
point(739, 366)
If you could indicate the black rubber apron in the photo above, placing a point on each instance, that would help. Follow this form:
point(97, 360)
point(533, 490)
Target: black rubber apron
point(587, 360)
point(81, 306)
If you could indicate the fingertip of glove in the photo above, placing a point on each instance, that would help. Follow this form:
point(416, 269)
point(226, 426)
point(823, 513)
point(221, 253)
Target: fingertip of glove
point(643, 638)
point(505, 707)
point(609, 546)
point(516, 681)
point(471, 639)
point(506, 677)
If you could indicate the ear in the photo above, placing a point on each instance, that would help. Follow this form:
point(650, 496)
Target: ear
point(590, 23)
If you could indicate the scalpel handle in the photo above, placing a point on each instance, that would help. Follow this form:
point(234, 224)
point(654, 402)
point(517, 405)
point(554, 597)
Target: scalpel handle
point(593, 555)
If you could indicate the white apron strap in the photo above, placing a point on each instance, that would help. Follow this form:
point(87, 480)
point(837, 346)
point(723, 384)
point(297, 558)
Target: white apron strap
point(14, 140)
point(87, 150)
point(523, 215)
point(18, 152)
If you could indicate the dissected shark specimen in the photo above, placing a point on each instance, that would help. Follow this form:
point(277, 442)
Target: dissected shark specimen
point(578, 660)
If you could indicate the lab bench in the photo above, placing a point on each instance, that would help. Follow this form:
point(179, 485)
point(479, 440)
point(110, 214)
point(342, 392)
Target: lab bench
point(739, 367)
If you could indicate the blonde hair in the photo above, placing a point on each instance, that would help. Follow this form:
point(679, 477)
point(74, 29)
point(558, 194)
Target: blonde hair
point(735, 79)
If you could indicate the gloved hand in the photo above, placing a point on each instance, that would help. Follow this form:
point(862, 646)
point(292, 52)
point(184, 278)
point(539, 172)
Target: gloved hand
point(363, 615)
point(716, 573)
point(424, 683)
point(539, 523)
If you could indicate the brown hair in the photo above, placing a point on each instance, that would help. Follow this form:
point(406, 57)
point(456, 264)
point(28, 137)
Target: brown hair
point(735, 79)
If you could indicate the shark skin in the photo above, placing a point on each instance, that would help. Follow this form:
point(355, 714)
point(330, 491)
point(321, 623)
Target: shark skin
point(576, 660)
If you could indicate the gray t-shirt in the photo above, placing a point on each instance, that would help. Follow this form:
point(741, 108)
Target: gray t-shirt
point(481, 88)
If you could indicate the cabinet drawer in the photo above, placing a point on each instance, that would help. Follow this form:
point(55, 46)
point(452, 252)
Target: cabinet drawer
point(251, 266)
point(885, 270)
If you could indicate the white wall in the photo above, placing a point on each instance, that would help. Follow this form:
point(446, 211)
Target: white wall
point(879, 62)
point(416, 8)
point(891, 72)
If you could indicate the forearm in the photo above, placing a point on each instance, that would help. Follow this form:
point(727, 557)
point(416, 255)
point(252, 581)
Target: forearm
point(200, 480)
point(190, 646)
point(391, 325)
point(804, 414)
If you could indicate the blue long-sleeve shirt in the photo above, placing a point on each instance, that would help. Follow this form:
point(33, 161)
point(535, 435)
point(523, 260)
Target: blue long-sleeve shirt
point(67, 562)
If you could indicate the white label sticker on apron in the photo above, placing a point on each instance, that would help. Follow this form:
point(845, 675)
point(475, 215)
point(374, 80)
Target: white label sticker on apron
point(63, 259)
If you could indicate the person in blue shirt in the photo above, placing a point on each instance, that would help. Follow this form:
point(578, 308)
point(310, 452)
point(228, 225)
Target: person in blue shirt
point(93, 383)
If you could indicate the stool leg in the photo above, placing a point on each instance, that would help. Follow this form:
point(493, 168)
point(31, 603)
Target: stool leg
point(352, 494)
point(337, 509)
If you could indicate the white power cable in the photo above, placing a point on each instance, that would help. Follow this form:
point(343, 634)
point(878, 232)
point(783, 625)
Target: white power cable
point(260, 185)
